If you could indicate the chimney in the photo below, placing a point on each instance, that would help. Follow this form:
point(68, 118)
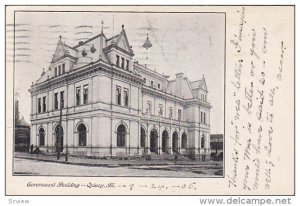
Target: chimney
point(101, 41)
point(17, 113)
point(179, 82)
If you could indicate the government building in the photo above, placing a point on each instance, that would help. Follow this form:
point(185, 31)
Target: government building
point(94, 100)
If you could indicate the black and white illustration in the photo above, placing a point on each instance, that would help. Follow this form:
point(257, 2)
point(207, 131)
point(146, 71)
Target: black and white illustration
point(118, 93)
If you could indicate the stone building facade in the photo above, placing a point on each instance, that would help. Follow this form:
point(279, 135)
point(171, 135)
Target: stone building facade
point(109, 105)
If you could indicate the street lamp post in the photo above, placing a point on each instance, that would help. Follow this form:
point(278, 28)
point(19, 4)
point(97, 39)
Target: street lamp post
point(159, 137)
point(179, 143)
point(60, 132)
point(146, 148)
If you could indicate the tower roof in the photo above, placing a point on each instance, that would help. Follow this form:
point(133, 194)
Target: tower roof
point(22, 122)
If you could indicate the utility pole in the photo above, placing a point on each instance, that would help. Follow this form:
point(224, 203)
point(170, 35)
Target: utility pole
point(179, 138)
point(60, 132)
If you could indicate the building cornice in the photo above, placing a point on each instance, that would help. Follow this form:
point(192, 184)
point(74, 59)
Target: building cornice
point(84, 72)
point(113, 45)
point(62, 57)
point(150, 72)
point(197, 102)
point(161, 94)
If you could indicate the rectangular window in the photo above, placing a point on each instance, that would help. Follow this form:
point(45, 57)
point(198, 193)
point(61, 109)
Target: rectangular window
point(149, 108)
point(44, 104)
point(201, 120)
point(39, 105)
point(158, 85)
point(179, 114)
point(126, 97)
point(118, 61)
point(144, 80)
point(56, 101)
point(160, 112)
point(85, 94)
point(127, 64)
point(63, 68)
point(77, 96)
point(170, 112)
point(152, 84)
point(122, 63)
point(204, 120)
point(55, 69)
point(59, 70)
point(118, 95)
point(62, 100)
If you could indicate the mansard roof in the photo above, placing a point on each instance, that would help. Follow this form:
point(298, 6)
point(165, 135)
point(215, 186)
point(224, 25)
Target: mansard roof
point(120, 42)
point(44, 76)
point(186, 88)
point(63, 49)
point(199, 84)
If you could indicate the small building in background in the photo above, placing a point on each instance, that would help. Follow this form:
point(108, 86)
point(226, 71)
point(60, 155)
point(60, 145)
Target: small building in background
point(22, 132)
point(216, 143)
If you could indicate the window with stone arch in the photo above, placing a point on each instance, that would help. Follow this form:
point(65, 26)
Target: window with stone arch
point(81, 129)
point(121, 135)
point(41, 137)
point(184, 141)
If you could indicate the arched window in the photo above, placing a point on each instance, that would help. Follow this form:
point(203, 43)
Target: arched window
point(183, 141)
point(143, 137)
point(154, 141)
point(175, 142)
point(82, 134)
point(42, 136)
point(121, 132)
point(165, 141)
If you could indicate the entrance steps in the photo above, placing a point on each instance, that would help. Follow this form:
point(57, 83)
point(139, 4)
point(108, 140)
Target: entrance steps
point(180, 157)
point(167, 156)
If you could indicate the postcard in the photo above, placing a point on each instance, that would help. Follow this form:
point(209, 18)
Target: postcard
point(150, 100)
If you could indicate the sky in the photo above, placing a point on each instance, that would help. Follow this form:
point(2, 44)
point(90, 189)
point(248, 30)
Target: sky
point(192, 43)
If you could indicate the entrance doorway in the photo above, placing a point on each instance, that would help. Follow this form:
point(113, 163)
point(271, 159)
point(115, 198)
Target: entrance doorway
point(165, 141)
point(175, 142)
point(153, 141)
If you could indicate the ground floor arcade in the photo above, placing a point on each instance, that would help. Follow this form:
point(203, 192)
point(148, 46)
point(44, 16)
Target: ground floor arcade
point(106, 136)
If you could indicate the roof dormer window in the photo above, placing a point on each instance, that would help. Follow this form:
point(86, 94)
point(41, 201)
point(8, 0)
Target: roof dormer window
point(93, 49)
point(127, 64)
point(63, 68)
point(118, 61)
point(122, 63)
point(59, 70)
point(84, 53)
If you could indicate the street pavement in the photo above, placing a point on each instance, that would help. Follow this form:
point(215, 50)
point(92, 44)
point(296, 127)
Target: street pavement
point(26, 164)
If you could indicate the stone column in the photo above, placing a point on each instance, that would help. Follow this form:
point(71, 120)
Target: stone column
point(159, 139)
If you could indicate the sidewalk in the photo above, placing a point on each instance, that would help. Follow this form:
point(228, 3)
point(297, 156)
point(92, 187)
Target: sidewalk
point(85, 161)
